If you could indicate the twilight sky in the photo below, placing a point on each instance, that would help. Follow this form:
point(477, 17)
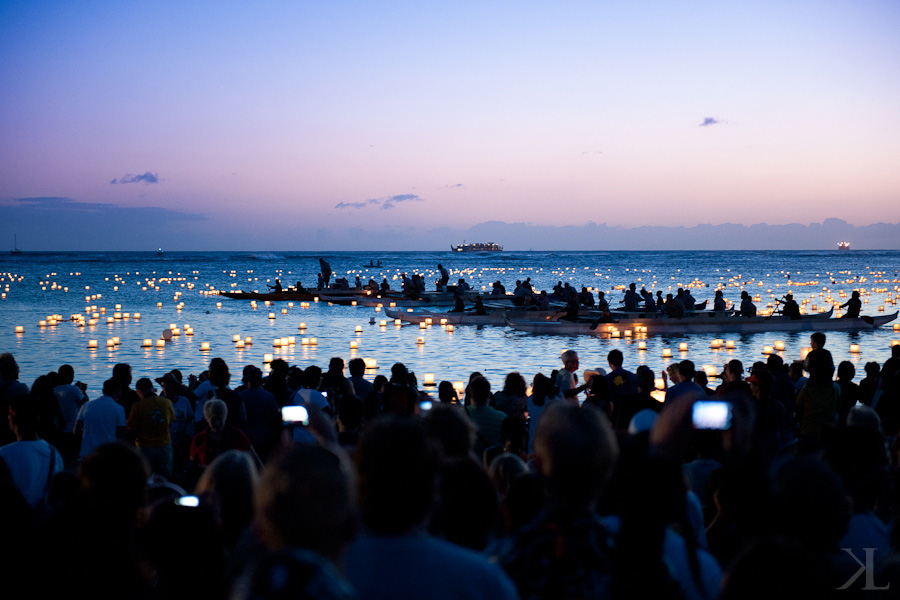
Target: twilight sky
point(233, 125)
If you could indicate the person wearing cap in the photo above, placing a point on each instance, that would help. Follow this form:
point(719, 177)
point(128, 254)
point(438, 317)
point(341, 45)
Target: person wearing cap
point(150, 420)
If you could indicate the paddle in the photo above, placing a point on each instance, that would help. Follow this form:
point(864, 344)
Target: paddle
point(867, 320)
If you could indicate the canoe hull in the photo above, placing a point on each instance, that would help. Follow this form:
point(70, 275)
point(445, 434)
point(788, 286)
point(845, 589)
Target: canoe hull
point(702, 325)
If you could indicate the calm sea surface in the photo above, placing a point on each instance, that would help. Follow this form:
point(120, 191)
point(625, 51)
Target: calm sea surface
point(37, 285)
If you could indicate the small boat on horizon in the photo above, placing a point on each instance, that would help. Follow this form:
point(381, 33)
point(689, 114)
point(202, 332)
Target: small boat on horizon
point(15, 249)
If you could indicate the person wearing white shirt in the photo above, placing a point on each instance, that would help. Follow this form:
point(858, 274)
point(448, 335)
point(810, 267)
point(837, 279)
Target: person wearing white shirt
point(102, 420)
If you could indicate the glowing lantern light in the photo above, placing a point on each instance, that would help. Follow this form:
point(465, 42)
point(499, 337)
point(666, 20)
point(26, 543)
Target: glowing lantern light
point(429, 379)
point(854, 348)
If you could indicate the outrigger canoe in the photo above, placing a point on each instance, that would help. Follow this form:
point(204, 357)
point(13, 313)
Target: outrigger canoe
point(289, 295)
point(707, 323)
point(495, 316)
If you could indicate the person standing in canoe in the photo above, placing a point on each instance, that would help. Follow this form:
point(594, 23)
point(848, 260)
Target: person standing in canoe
point(445, 277)
point(326, 271)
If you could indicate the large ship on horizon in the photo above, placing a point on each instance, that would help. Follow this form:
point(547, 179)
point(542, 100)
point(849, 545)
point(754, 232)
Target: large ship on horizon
point(477, 247)
point(843, 245)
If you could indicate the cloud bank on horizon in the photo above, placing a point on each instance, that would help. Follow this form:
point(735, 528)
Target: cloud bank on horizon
point(59, 223)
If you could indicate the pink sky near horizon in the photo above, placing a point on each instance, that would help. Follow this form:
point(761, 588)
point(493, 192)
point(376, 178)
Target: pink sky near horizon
point(485, 111)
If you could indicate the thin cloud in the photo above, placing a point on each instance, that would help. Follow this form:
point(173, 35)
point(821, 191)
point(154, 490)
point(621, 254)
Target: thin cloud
point(451, 186)
point(709, 121)
point(147, 177)
point(385, 203)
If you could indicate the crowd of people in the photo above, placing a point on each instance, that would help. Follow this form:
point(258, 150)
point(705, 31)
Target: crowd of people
point(781, 481)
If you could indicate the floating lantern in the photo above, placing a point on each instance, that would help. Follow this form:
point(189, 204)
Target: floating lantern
point(710, 370)
point(615, 333)
point(236, 337)
point(267, 358)
point(428, 320)
point(159, 305)
point(682, 347)
point(284, 311)
point(110, 320)
point(423, 325)
point(854, 348)
point(239, 344)
point(291, 340)
point(302, 326)
point(628, 333)
point(137, 315)
point(895, 343)
point(642, 346)
point(146, 343)
point(378, 308)
point(277, 343)
point(398, 322)
point(371, 363)
point(768, 350)
point(729, 345)
point(359, 329)
point(188, 331)
point(290, 305)
point(42, 323)
point(116, 340)
point(313, 341)
point(353, 345)
point(429, 379)
point(393, 305)
point(271, 315)
point(420, 340)
point(20, 329)
point(204, 346)
point(382, 323)
point(779, 346)
point(117, 315)
point(110, 343)
point(304, 341)
point(660, 383)
point(450, 328)
point(667, 353)
point(443, 321)
point(804, 352)
point(248, 341)
point(160, 344)
point(460, 387)
point(353, 303)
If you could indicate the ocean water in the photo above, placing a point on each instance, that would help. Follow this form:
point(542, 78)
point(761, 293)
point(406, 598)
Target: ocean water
point(37, 285)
